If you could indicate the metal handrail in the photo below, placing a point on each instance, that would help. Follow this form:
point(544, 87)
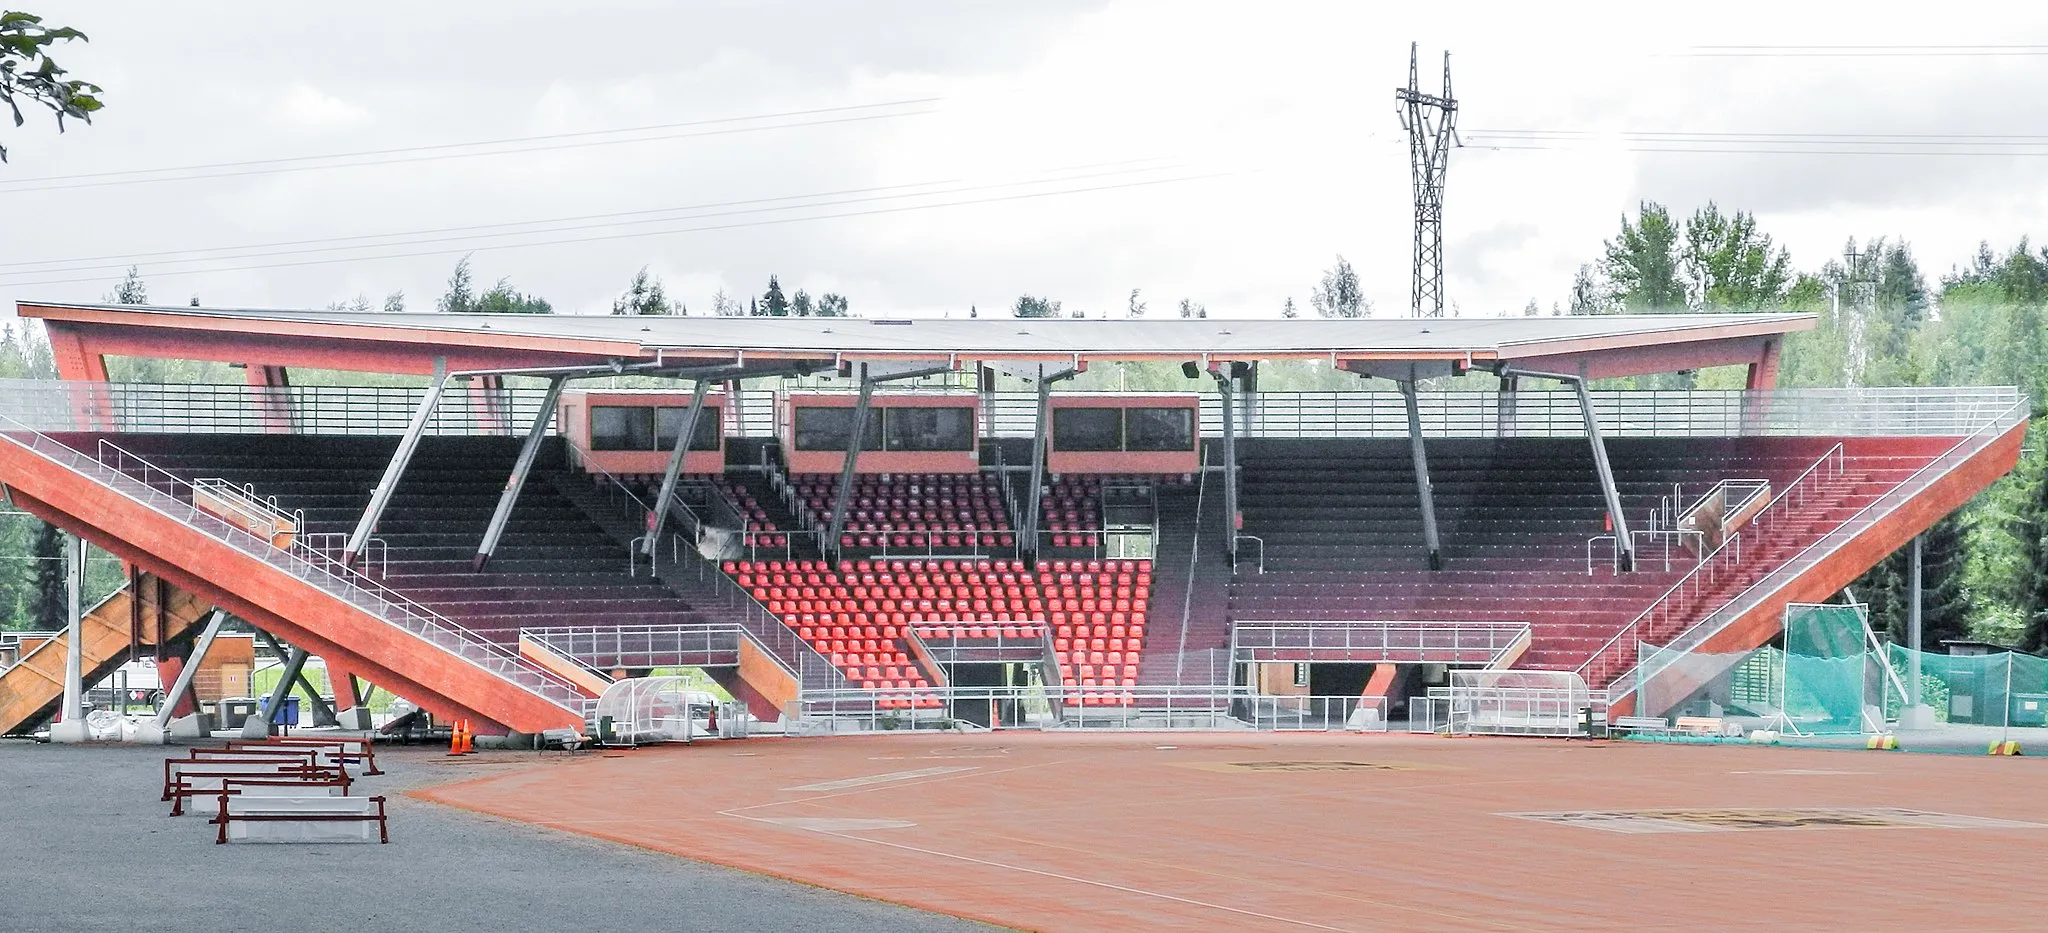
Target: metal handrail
point(302, 563)
point(1869, 515)
point(1262, 552)
point(1730, 546)
point(1407, 638)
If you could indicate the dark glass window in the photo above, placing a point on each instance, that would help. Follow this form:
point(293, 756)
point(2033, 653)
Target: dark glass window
point(1086, 429)
point(1159, 429)
point(621, 427)
point(820, 427)
point(950, 428)
point(667, 421)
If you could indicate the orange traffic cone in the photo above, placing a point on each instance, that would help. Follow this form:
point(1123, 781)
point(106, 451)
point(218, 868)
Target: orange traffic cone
point(455, 739)
point(468, 739)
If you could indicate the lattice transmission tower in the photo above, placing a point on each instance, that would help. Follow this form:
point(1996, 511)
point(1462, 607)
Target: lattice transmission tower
point(1432, 124)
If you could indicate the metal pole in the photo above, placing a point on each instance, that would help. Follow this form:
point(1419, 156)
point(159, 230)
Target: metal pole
point(1039, 443)
point(388, 484)
point(1913, 627)
point(852, 462)
point(528, 451)
point(191, 668)
point(1624, 546)
point(673, 475)
point(1504, 411)
point(1423, 489)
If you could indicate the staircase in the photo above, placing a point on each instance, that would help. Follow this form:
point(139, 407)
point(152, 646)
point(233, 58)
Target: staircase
point(144, 514)
point(33, 688)
point(1342, 529)
point(1192, 523)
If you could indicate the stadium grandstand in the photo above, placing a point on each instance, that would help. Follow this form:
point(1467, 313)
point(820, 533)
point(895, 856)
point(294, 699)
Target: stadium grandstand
point(863, 524)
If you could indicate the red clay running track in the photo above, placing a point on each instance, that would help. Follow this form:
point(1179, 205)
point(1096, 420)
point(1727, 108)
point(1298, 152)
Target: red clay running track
point(1096, 832)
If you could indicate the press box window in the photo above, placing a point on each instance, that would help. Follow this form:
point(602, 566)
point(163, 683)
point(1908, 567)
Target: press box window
point(1087, 429)
point(821, 427)
point(927, 428)
point(669, 421)
point(620, 427)
point(1155, 429)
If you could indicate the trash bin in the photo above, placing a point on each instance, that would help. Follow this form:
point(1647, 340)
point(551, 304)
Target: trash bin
point(230, 712)
point(291, 711)
point(2030, 709)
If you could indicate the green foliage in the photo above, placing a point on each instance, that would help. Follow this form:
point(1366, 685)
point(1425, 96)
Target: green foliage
point(1338, 294)
point(29, 76)
point(1135, 308)
point(1031, 306)
point(832, 304)
point(1287, 310)
point(773, 303)
point(723, 305)
point(1641, 264)
point(502, 298)
point(131, 291)
point(1190, 308)
point(1729, 265)
point(50, 601)
point(644, 295)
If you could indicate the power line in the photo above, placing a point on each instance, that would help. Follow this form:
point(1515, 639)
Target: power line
point(1727, 150)
point(1706, 135)
point(438, 152)
point(563, 225)
point(654, 233)
point(1858, 51)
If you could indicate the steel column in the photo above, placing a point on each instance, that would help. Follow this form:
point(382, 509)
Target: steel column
point(257, 727)
point(846, 469)
point(674, 474)
point(1504, 408)
point(380, 497)
point(1229, 463)
point(1423, 489)
point(70, 723)
point(1624, 546)
point(323, 715)
point(191, 668)
point(528, 451)
point(1913, 630)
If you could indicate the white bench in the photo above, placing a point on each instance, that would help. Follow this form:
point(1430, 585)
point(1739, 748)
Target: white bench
point(301, 819)
point(1646, 724)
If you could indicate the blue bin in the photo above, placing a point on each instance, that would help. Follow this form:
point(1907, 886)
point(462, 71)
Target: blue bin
point(291, 711)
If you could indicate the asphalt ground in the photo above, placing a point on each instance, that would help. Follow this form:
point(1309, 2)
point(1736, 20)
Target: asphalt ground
point(89, 847)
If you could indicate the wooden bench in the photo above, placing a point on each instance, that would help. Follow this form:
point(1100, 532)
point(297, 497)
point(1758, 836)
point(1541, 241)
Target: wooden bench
point(244, 818)
point(1701, 725)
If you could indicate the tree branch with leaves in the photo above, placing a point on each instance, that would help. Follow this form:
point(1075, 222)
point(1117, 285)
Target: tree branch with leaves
point(29, 76)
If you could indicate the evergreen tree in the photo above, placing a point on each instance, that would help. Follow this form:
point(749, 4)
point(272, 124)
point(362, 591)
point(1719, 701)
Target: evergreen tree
point(1729, 265)
point(832, 304)
point(460, 298)
point(1945, 606)
point(1190, 308)
point(52, 602)
point(1287, 309)
point(1585, 298)
point(773, 303)
point(644, 295)
point(394, 303)
point(800, 304)
point(1135, 308)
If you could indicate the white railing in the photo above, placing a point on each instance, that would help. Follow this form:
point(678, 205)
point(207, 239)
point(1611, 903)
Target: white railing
point(637, 646)
point(164, 493)
point(1713, 566)
point(1417, 642)
point(1625, 681)
point(53, 405)
point(1203, 708)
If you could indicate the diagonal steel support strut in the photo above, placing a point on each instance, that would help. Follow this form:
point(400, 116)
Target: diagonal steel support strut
point(380, 498)
point(528, 451)
point(672, 476)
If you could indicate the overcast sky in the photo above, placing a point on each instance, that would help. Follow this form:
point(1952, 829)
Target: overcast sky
point(1077, 150)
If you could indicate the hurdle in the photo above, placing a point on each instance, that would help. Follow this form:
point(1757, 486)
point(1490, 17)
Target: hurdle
point(205, 777)
point(216, 756)
point(349, 751)
point(244, 818)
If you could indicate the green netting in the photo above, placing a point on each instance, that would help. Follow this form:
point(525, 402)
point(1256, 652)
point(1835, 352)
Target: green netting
point(2003, 689)
point(1826, 655)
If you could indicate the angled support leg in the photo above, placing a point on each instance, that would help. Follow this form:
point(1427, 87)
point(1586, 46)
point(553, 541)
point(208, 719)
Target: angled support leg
point(849, 469)
point(528, 450)
point(380, 498)
point(674, 474)
point(1423, 489)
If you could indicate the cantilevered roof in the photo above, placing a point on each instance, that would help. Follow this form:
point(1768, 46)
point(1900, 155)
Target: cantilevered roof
point(1476, 342)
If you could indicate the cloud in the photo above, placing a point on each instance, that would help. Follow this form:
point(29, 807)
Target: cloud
point(308, 106)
